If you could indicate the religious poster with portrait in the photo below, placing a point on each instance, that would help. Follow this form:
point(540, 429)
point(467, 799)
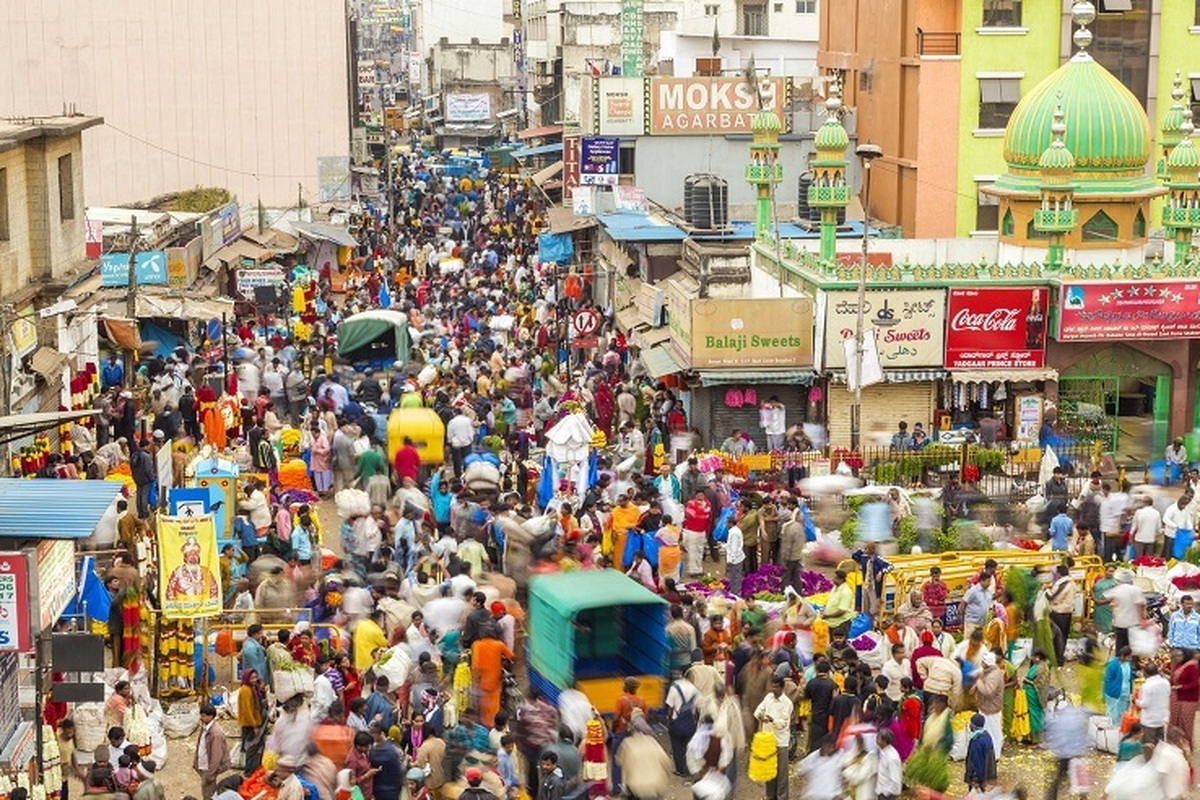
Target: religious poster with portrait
point(190, 574)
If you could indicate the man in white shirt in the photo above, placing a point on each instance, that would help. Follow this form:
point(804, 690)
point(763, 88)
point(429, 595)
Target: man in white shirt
point(775, 715)
point(887, 785)
point(894, 669)
point(1112, 514)
point(1144, 528)
point(460, 433)
point(1155, 704)
point(1177, 517)
point(1128, 609)
point(735, 558)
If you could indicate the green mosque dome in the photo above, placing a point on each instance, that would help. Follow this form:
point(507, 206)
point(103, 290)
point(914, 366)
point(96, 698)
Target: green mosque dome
point(765, 121)
point(1108, 131)
point(831, 136)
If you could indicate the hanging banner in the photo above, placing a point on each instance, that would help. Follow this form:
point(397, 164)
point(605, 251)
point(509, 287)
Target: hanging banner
point(599, 160)
point(702, 106)
point(151, 268)
point(14, 603)
point(910, 326)
point(996, 328)
point(1109, 310)
point(190, 576)
point(468, 108)
point(570, 173)
point(633, 34)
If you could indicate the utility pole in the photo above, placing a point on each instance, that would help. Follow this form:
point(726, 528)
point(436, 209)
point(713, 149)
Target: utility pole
point(131, 288)
point(6, 376)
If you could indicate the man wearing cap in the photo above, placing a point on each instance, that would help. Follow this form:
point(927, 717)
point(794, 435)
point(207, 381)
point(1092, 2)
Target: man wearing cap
point(506, 625)
point(211, 758)
point(981, 758)
point(474, 791)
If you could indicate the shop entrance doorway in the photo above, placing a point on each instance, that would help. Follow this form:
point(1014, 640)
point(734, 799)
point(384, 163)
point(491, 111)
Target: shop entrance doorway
point(1120, 397)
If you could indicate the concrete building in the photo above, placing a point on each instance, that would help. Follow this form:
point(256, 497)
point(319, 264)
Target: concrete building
point(43, 234)
point(902, 59)
point(246, 96)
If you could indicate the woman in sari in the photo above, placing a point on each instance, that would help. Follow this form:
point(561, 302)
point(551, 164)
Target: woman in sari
point(1101, 605)
point(1029, 714)
point(1010, 691)
point(1185, 692)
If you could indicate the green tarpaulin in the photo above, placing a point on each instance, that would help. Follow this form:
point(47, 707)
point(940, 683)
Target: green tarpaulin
point(361, 330)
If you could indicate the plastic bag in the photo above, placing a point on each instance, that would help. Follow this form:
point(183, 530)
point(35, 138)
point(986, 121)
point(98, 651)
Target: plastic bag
point(721, 529)
point(860, 625)
point(1144, 640)
point(1083, 778)
point(1183, 540)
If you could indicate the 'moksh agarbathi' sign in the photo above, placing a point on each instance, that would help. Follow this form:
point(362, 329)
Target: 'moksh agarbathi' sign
point(692, 106)
point(752, 333)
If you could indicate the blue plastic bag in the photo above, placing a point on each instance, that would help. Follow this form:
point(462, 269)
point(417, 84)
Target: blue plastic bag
point(1183, 540)
point(721, 529)
point(860, 625)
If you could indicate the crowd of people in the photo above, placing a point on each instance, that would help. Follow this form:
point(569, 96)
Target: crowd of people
point(432, 574)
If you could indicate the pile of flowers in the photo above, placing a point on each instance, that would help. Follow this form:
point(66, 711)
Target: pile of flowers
point(1149, 561)
point(1026, 544)
point(766, 583)
point(1187, 583)
point(865, 643)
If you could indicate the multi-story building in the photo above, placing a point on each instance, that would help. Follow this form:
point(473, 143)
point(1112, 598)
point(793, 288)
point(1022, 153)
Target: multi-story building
point(253, 97)
point(43, 234)
point(934, 83)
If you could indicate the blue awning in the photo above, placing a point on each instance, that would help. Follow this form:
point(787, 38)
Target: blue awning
point(53, 509)
point(540, 150)
point(802, 376)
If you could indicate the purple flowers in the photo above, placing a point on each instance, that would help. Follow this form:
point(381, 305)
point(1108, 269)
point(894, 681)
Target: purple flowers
point(768, 579)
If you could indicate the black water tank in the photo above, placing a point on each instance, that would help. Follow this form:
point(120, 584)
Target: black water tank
point(706, 201)
point(804, 210)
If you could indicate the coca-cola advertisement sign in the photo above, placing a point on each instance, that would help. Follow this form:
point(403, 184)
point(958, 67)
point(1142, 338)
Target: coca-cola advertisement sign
point(996, 328)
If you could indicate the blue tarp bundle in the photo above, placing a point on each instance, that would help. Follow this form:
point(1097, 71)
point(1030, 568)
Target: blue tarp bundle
point(556, 247)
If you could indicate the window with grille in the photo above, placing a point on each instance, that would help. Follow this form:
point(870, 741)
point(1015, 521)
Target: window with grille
point(754, 20)
point(1002, 13)
point(1100, 228)
point(711, 10)
point(998, 97)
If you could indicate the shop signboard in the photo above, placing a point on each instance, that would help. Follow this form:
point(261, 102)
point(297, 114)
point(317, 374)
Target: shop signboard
point(631, 198)
point(24, 330)
point(910, 326)
point(230, 219)
point(1121, 310)
point(599, 160)
point(570, 173)
point(775, 332)
point(679, 319)
point(14, 603)
point(633, 35)
point(705, 106)
point(996, 328)
point(190, 585)
point(151, 268)
point(249, 279)
point(619, 106)
point(366, 74)
point(1030, 410)
point(55, 573)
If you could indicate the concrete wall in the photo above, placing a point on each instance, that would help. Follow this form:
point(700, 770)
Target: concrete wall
point(662, 162)
point(462, 20)
point(15, 255)
point(793, 58)
point(228, 93)
point(1031, 51)
point(936, 150)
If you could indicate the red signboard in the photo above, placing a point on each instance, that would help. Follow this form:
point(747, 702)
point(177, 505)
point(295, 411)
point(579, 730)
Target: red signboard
point(1108, 310)
point(996, 328)
point(14, 603)
point(570, 166)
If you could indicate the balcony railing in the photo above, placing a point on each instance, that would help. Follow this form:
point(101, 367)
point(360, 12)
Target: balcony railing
point(1051, 220)
point(827, 196)
point(939, 43)
point(1181, 217)
point(764, 173)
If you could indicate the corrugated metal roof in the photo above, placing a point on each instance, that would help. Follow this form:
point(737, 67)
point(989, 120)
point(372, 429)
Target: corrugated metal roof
point(631, 227)
point(53, 509)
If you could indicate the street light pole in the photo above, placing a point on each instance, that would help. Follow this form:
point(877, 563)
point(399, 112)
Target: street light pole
point(866, 153)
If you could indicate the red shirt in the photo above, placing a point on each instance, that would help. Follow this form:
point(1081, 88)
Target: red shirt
point(408, 462)
point(1186, 682)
